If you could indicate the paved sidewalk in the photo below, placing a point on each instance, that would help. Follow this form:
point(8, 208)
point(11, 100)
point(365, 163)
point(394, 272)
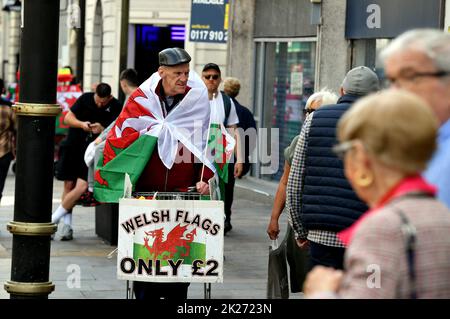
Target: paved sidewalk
point(245, 266)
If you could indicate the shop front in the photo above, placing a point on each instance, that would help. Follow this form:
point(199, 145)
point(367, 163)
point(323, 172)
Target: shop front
point(285, 64)
point(372, 24)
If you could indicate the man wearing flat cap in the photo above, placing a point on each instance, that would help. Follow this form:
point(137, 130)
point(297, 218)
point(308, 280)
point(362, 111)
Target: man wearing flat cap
point(319, 199)
point(169, 107)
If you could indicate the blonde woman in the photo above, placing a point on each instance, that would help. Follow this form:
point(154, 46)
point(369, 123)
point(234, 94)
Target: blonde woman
point(400, 248)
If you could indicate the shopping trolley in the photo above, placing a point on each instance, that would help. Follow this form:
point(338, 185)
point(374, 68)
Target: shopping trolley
point(189, 195)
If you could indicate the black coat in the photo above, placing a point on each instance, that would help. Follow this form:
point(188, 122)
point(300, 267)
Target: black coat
point(246, 121)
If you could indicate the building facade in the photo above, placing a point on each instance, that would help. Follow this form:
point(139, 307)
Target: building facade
point(153, 26)
point(284, 50)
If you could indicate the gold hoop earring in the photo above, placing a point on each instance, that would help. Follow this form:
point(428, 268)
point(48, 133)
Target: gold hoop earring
point(364, 180)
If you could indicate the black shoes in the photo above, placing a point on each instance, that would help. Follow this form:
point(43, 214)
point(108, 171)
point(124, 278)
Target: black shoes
point(227, 227)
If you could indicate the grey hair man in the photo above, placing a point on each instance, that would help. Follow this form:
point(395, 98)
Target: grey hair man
point(319, 199)
point(419, 61)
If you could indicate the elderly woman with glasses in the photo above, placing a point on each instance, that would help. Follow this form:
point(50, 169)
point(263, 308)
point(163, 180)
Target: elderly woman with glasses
point(400, 248)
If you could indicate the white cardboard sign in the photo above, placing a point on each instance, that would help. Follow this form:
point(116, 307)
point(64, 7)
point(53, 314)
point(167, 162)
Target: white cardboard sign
point(170, 240)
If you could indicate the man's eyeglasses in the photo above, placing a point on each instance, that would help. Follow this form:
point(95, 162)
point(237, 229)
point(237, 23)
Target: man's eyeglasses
point(213, 76)
point(343, 148)
point(411, 77)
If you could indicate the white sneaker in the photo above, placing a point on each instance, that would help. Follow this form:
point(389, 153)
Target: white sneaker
point(67, 233)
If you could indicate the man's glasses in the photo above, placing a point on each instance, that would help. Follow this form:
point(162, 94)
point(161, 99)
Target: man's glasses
point(341, 149)
point(213, 76)
point(413, 76)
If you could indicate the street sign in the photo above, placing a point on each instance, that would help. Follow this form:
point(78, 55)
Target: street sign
point(209, 21)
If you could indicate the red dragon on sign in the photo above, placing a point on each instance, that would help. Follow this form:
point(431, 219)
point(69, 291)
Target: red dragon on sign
point(169, 247)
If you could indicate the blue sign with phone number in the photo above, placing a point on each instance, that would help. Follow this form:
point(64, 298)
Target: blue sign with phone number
point(209, 21)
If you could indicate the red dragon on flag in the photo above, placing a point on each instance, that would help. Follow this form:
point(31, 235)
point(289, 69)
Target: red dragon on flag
point(172, 244)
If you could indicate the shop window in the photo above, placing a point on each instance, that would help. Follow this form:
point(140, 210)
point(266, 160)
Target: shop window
point(379, 67)
point(284, 81)
point(149, 41)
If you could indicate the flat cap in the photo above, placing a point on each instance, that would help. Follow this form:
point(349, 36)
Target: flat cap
point(360, 81)
point(173, 56)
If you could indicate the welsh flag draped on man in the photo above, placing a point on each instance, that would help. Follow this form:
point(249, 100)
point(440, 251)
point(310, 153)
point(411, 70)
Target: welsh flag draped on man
point(141, 127)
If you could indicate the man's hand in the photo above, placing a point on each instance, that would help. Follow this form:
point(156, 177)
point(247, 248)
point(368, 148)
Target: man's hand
point(303, 243)
point(273, 229)
point(202, 188)
point(238, 169)
point(86, 126)
point(322, 279)
point(97, 128)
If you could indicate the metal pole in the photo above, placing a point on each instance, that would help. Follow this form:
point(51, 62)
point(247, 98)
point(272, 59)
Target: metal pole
point(36, 113)
point(81, 43)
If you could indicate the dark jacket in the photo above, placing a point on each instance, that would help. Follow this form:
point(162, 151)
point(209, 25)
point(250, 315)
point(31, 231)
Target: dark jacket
point(246, 121)
point(328, 200)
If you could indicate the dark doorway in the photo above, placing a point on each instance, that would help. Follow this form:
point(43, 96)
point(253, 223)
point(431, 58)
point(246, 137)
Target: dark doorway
point(150, 40)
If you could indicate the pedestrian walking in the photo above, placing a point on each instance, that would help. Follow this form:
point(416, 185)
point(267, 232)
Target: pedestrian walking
point(246, 125)
point(295, 257)
point(319, 198)
point(223, 110)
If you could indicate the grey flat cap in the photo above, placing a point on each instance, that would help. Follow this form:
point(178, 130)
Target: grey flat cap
point(173, 56)
point(360, 81)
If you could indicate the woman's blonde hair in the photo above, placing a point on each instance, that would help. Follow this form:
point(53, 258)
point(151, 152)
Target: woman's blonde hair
point(396, 127)
point(231, 87)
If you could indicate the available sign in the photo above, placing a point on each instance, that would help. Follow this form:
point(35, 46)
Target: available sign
point(209, 21)
point(170, 240)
